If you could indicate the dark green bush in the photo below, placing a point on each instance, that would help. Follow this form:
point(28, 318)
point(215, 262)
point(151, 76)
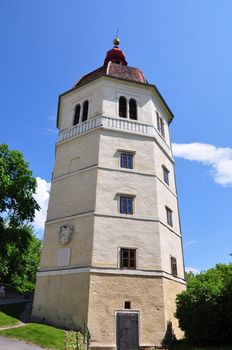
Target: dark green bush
point(204, 310)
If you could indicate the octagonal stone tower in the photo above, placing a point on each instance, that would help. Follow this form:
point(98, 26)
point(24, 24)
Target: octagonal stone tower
point(112, 251)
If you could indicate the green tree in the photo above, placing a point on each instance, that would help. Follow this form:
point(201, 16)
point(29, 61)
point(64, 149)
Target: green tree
point(17, 187)
point(19, 261)
point(17, 208)
point(24, 276)
point(204, 310)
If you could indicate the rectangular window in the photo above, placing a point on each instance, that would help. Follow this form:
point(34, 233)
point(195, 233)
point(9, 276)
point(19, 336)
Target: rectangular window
point(165, 175)
point(158, 121)
point(160, 124)
point(127, 305)
point(162, 127)
point(126, 204)
point(127, 258)
point(173, 266)
point(126, 160)
point(169, 216)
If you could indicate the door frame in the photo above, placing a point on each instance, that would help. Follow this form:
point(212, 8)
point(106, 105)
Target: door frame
point(128, 311)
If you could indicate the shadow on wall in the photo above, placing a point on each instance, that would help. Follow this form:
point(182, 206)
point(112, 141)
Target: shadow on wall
point(169, 337)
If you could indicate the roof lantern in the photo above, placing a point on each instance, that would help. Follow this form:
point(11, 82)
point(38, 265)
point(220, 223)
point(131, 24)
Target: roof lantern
point(115, 55)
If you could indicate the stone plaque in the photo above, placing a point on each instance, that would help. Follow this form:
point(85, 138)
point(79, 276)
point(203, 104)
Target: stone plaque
point(64, 256)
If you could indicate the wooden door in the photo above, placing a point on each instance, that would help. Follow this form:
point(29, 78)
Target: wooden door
point(127, 331)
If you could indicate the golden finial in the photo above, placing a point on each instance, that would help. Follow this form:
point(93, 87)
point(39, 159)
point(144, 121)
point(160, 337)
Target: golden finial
point(116, 41)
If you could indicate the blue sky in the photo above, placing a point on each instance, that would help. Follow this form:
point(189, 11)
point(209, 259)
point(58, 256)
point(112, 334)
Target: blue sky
point(184, 47)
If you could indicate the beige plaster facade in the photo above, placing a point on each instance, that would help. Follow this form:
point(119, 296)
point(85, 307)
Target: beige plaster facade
point(81, 280)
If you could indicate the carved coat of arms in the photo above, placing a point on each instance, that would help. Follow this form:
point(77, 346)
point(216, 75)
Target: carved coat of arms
point(65, 233)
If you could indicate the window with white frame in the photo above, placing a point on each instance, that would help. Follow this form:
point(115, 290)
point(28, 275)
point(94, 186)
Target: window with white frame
point(127, 160)
point(126, 204)
point(127, 258)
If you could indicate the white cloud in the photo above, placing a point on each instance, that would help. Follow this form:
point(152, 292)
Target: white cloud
point(52, 117)
point(188, 243)
point(193, 270)
point(50, 131)
point(218, 158)
point(42, 197)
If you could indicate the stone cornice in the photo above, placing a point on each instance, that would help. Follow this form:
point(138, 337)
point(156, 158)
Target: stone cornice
point(111, 271)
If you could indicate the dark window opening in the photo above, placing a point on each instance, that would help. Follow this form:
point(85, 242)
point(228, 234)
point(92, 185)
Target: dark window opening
point(85, 111)
point(133, 109)
point(127, 258)
point(127, 305)
point(122, 107)
point(126, 205)
point(160, 124)
point(162, 127)
point(166, 175)
point(126, 160)
point(169, 216)
point(77, 115)
point(173, 266)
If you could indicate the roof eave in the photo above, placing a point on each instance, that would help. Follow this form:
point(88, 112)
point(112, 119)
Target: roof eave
point(118, 78)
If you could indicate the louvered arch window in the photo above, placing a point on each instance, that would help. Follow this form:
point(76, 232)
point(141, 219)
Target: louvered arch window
point(122, 107)
point(133, 109)
point(85, 111)
point(77, 115)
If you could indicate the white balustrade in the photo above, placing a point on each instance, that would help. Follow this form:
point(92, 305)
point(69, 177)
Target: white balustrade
point(112, 123)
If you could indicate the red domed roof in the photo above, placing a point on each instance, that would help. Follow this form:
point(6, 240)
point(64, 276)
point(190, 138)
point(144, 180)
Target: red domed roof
point(115, 55)
point(115, 65)
point(114, 70)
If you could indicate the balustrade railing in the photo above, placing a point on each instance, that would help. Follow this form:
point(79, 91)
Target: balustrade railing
point(112, 123)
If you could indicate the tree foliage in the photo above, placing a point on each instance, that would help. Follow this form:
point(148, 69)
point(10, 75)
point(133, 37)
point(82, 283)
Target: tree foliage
point(17, 187)
point(19, 248)
point(204, 310)
point(19, 261)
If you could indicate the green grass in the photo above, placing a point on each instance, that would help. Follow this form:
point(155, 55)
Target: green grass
point(10, 313)
point(38, 334)
point(183, 345)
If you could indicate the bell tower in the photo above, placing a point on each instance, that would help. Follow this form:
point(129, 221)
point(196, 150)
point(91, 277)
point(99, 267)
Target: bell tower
point(112, 251)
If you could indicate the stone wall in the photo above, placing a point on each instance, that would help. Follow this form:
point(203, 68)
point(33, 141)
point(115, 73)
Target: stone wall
point(107, 296)
point(62, 300)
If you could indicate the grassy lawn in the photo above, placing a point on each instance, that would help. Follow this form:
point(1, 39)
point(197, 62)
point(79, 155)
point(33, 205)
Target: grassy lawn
point(183, 345)
point(39, 334)
point(9, 313)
